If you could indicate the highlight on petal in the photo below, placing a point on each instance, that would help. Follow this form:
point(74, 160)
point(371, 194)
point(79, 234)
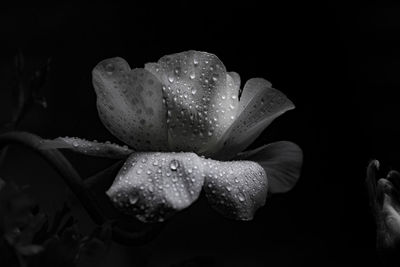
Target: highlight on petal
point(236, 79)
point(154, 186)
point(259, 105)
point(201, 97)
point(91, 148)
point(130, 104)
point(281, 161)
point(235, 189)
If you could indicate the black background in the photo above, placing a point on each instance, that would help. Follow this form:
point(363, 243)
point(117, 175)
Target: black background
point(337, 63)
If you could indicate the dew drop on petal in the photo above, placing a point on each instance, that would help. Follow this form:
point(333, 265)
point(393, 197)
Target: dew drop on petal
point(241, 197)
point(173, 165)
point(133, 199)
point(110, 68)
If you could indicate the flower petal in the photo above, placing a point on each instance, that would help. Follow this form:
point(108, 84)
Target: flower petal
point(259, 105)
point(154, 186)
point(235, 189)
point(388, 221)
point(91, 148)
point(281, 161)
point(202, 99)
point(130, 104)
point(236, 79)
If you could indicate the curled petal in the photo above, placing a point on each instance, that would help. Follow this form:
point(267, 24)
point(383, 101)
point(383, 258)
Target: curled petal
point(91, 148)
point(281, 161)
point(153, 186)
point(259, 105)
point(388, 219)
point(235, 189)
point(130, 104)
point(201, 97)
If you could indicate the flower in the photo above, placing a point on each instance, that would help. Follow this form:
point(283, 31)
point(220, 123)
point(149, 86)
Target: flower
point(384, 195)
point(186, 126)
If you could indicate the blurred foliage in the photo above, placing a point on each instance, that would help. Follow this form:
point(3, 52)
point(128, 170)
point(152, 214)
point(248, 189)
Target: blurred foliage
point(28, 89)
point(28, 237)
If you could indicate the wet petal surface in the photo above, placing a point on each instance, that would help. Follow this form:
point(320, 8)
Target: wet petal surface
point(154, 186)
point(91, 148)
point(235, 189)
point(259, 105)
point(281, 161)
point(130, 104)
point(202, 99)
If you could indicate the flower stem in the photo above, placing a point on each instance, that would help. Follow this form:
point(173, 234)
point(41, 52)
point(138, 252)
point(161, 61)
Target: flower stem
point(124, 230)
point(64, 168)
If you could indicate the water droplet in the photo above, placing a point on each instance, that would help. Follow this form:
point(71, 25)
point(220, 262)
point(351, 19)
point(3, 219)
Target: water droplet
point(139, 171)
point(241, 197)
point(214, 79)
point(174, 164)
point(195, 61)
point(171, 79)
point(133, 199)
point(192, 75)
point(234, 97)
point(110, 68)
point(193, 91)
point(229, 188)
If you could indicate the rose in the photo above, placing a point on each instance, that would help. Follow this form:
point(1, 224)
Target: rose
point(175, 113)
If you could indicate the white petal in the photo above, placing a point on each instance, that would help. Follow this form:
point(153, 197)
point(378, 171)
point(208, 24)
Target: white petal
point(281, 161)
point(130, 104)
point(200, 102)
point(259, 106)
point(154, 186)
point(236, 79)
point(235, 189)
point(91, 148)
